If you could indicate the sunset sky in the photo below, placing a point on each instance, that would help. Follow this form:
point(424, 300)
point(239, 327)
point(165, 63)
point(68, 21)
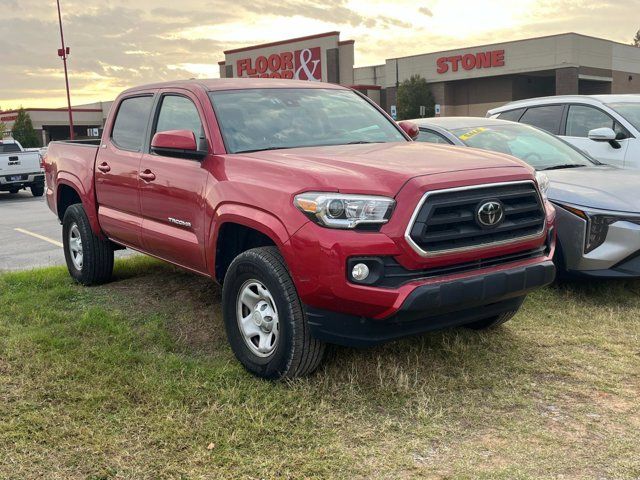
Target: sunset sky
point(116, 44)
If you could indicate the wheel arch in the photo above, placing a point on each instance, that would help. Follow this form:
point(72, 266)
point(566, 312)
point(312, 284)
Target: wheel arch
point(70, 190)
point(237, 228)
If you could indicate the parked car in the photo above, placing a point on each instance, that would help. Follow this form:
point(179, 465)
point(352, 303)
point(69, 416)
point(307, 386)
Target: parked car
point(321, 218)
point(607, 127)
point(599, 206)
point(20, 169)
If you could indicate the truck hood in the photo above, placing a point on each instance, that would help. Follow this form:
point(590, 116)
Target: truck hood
point(381, 168)
point(601, 187)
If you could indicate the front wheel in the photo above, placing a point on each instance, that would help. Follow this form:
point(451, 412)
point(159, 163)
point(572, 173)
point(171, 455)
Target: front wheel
point(492, 322)
point(265, 323)
point(89, 258)
point(13, 191)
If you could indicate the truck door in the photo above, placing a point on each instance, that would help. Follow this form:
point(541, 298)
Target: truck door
point(172, 188)
point(117, 167)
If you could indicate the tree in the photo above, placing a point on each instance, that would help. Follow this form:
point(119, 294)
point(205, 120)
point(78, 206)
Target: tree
point(3, 130)
point(23, 130)
point(412, 94)
point(636, 40)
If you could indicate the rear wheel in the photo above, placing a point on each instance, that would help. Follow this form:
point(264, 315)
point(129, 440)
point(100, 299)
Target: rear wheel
point(89, 258)
point(37, 190)
point(265, 323)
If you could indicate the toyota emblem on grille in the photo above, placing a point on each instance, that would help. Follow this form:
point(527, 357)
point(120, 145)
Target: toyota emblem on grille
point(490, 214)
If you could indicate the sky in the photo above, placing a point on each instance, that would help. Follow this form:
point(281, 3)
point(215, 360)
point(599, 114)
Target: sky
point(116, 44)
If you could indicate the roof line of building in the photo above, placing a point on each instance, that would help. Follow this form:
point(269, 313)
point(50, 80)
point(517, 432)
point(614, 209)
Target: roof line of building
point(63, 109)
point(509, 41)
point(281, 42)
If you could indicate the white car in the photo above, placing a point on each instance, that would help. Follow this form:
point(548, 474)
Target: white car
point(20, 168)
point(607, 127)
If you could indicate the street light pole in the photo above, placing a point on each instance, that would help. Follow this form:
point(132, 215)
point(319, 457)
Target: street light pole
point(63, 52)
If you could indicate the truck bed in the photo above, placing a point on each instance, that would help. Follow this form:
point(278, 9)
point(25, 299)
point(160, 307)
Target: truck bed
point(72, 163)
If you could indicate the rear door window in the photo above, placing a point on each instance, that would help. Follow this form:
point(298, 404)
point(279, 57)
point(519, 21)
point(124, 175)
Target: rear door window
point(131, 121)
point(513, 115)
point(547, 117)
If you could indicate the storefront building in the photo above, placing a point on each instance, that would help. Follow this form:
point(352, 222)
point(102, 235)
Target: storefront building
point(53, 123)
point(466, 81)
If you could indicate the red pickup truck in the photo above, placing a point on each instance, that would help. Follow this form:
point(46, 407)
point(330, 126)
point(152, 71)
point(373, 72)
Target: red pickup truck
point(319, 216)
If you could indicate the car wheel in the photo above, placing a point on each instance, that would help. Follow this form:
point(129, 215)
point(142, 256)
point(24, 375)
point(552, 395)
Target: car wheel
point(37, 190)
point(491, 322)
point(89, 258)
point(266, 326)
point(14, 190)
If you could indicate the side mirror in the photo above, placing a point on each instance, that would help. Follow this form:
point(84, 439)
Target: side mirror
point(604, 134)
point(409, 128)
point(176, 143)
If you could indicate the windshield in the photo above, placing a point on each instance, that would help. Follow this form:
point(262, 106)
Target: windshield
point(539, 149)
point(630, 111)
point(267, 119)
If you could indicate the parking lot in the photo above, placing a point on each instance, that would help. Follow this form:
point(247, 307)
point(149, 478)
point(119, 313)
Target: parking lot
point(29, 233)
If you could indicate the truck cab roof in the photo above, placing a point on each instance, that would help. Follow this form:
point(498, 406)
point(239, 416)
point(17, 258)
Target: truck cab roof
point(214, 84)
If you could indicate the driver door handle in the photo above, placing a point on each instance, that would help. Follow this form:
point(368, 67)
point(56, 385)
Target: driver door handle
point(104, 167)
point(147, 175)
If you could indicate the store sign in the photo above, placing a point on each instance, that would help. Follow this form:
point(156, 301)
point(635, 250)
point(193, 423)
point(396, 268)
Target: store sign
point(10, 118)
point(302, 64)
point(471, 61)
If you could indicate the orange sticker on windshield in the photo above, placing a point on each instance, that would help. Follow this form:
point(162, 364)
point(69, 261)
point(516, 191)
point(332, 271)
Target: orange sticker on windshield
point(472, 133)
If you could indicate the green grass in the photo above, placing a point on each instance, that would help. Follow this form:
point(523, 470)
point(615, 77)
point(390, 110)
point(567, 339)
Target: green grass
point(135, 380)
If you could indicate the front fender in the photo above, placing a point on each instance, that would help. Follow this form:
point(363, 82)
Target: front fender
point(251, 217)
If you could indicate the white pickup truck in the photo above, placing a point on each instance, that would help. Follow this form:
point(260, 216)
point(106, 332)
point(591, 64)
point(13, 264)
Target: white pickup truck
point(20, 168)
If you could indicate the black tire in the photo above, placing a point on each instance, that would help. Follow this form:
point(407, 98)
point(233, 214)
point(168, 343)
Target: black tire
point(97, 254)
point(492, 322)
point(14, 190)
point(37, 190)
point(296, 353)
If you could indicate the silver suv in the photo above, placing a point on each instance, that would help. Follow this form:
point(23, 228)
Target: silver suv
point(607, 127)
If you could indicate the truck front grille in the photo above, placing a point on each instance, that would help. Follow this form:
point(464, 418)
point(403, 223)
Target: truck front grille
point(449, 220)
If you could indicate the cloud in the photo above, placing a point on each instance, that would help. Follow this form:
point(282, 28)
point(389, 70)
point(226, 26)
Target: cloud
point(120, 43)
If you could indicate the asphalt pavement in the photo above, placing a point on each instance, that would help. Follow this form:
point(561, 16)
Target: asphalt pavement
point(30, 234)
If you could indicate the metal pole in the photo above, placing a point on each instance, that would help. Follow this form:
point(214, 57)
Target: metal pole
point(66, 76)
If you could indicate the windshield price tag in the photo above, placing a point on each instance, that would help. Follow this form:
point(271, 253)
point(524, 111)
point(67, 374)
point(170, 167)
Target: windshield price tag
point(472, 133)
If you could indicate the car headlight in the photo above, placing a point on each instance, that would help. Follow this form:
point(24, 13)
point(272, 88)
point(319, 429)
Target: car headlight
point(543, 183)
point(598, 226)
point(340, 210)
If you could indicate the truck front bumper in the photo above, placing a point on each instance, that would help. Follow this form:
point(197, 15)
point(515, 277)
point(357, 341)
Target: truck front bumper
point(435, 306)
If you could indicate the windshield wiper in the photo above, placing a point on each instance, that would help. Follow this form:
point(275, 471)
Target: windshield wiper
point(566, 165)
point(359, 142)
point(273, 147)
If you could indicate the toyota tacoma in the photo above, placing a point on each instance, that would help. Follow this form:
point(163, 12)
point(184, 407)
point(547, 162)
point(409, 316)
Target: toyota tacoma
point(321, 218)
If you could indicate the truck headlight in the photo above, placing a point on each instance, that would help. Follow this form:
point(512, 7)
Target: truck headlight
point(543, 183)
point(341, 210)
point(598, 226)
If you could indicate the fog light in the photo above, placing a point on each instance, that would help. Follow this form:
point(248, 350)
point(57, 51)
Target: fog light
point(360, 272)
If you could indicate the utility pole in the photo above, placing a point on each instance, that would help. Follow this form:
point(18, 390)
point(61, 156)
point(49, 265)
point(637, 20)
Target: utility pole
point(63, 53)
